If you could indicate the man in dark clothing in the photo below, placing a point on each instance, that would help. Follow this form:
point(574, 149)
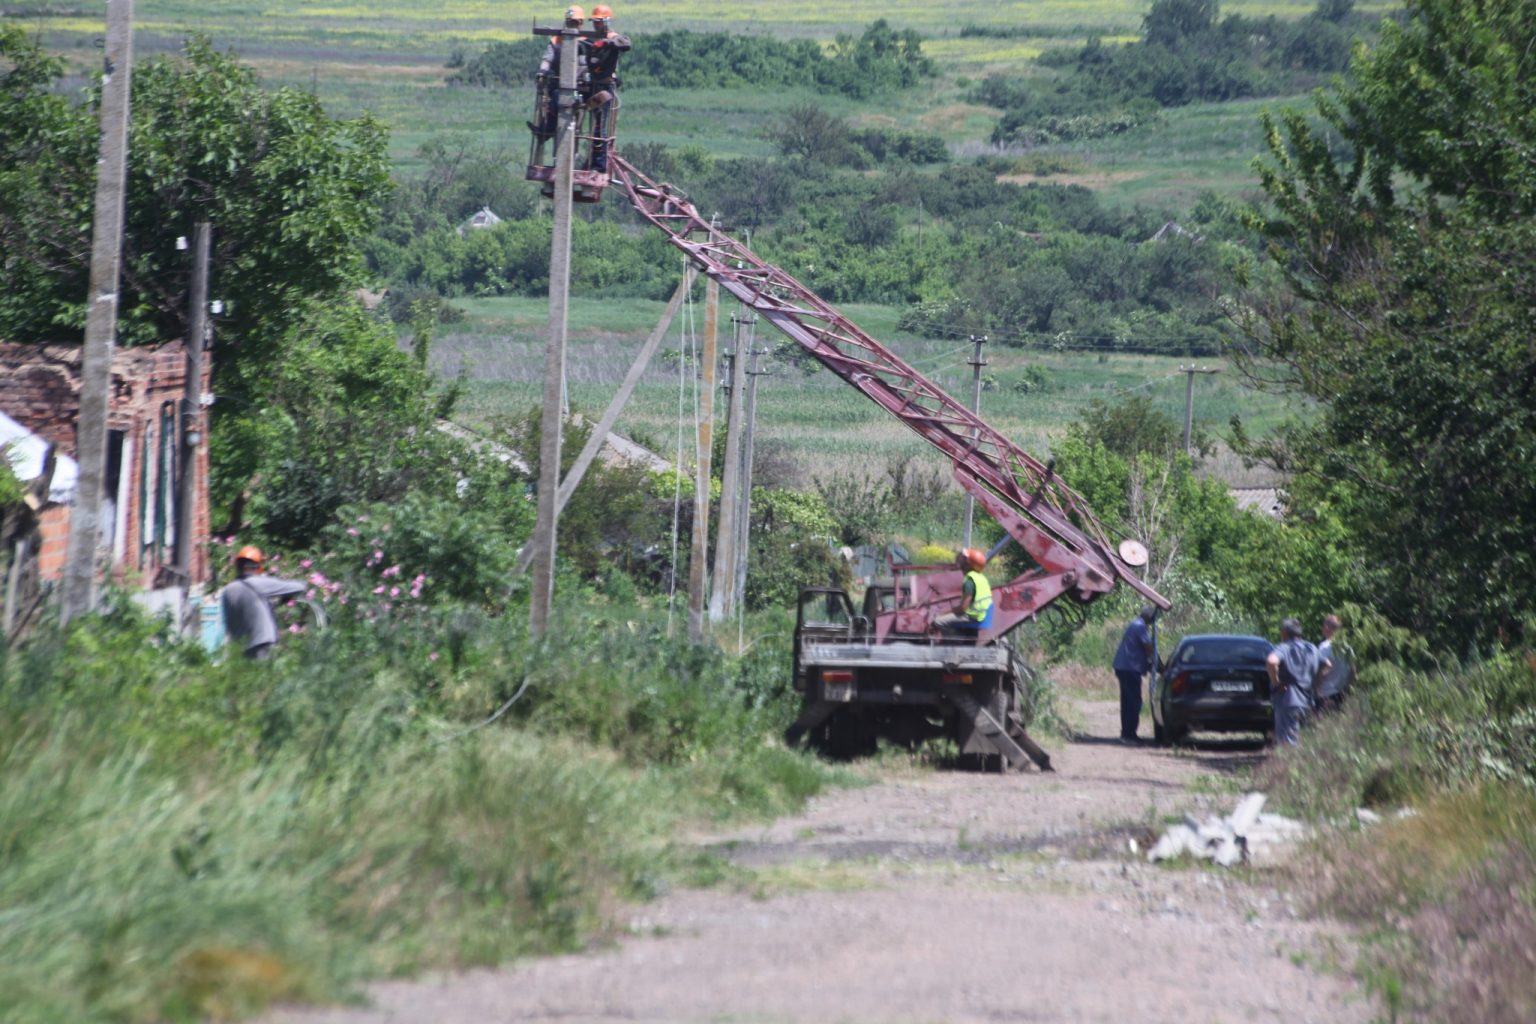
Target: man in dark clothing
point(602, 56)
point(247, 604)
point(1133, 661)
point(548, 79)
point(1293, 667)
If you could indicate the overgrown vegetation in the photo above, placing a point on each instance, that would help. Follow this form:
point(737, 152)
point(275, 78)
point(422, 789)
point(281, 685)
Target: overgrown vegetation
point(1188, 54)
point(185, 838)
point(879, 59)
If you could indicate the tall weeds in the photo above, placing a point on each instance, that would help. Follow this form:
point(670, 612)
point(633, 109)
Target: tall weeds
point(182, 838)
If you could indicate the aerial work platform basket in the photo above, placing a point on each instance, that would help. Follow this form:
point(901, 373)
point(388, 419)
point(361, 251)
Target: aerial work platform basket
point(595, 119)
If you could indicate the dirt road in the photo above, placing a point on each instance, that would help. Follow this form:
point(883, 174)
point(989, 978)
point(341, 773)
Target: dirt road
point(943, 897)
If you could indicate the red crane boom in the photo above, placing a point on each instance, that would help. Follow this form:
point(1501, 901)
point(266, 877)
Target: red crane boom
point(1052, 523)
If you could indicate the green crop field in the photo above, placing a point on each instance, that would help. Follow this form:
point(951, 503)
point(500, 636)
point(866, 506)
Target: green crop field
point(388, 59)
point(825, 427)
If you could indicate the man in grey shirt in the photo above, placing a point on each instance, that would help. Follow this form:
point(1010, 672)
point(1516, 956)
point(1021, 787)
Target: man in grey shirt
point(1336, 674)
point(1293, 668)
point(247, 604)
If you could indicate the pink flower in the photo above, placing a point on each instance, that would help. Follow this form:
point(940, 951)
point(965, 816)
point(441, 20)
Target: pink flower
point(394, 591)
point(433, 656)
point(293, 628)
point(379, 589)
point(351, 531)
point(343, 598)
point(362, 519)
point(306, 563)
point(393, 570)
point(309, 595)
point(317, 579)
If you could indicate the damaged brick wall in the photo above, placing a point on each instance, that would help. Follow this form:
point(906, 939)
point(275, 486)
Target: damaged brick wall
point(39, 388)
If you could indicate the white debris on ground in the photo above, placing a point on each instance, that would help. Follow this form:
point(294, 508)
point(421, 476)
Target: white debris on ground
point(1247, 835)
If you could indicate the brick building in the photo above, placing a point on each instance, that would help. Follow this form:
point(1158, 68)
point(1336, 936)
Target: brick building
point(40, 389)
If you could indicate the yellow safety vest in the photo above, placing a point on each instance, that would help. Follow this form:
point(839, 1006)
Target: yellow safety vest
point(982, 602)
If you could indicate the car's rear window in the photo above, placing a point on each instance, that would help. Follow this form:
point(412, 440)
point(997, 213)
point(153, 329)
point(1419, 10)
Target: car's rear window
point(1224, 652)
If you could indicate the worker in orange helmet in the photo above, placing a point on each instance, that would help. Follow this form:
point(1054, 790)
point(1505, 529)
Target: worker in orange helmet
point(547, 78)
point(247, 603)
point(975, 611)
point(603, 76)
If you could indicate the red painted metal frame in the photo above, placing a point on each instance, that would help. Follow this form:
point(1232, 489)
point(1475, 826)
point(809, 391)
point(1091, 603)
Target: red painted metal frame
point(1046, 517)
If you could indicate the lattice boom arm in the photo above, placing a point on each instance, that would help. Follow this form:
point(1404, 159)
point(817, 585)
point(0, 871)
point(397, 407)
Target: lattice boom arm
point(1020, 492)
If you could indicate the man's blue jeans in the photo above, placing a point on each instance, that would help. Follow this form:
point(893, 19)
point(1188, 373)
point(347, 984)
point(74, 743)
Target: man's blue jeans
point(1130, 703)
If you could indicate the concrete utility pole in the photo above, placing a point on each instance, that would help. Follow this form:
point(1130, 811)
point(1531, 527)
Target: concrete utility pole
point(611, 415)
point(722, 597)
point(192, 432)
point(744, 517)
point(699, 553)
point(977, 362)
point(554, 353)
point(79, 594)
point(1189, 398)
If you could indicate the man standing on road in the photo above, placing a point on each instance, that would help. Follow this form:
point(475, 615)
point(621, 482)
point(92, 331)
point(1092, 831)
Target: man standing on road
point(1133, 661)
point(247, 604)
point(1335, 674)
point(1292, 671)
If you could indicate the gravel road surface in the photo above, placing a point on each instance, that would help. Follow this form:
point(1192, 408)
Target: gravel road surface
point(944, 897)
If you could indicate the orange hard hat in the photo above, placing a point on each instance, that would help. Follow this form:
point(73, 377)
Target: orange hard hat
point(974, 558)
point(576, 14)
point(602, 12)
point(250, 553)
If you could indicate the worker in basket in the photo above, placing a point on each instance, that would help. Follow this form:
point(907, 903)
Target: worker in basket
point(547, 79)
point(602, 55)
point(975, 611)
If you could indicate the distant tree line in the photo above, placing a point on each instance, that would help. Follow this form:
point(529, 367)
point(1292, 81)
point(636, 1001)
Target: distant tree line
point(1188, 54)
point(880, 59)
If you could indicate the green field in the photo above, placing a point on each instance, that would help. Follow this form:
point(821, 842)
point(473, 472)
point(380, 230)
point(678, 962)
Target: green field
point(824, 426)
point(387, 59)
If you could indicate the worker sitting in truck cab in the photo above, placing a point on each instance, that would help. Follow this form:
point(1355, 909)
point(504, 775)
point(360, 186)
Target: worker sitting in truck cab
point(975, 612)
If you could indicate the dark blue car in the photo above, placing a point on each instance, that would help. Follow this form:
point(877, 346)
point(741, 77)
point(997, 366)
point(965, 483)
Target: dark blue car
point(1213, 683)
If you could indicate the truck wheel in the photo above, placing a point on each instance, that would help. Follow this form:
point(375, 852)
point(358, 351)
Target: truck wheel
point(845, 737)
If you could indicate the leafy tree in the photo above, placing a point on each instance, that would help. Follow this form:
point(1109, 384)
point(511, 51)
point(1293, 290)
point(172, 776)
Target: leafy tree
point(1410, 264)
point(289, 189)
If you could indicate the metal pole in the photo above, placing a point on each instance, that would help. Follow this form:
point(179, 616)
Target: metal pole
point(554, 354)
point(744, 518)
point(976, 364)
point(79, 595)
point(723, 593)
point(699, 553)
point(192, 432)
point(1189, 399)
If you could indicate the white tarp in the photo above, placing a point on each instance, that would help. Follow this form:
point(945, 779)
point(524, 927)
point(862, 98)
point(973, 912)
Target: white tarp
point(26, 451)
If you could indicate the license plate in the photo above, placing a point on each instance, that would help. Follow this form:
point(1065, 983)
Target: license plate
point(1231, 686)
point(840, 692)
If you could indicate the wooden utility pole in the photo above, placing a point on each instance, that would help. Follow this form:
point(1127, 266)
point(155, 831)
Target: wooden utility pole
point(1189, 398)
point(79, 593)
point(192, 432)
point(611, 414)
point(699, 553)
point(744, 517)
point(554, 353)
point(722, 597)
point(977, 362)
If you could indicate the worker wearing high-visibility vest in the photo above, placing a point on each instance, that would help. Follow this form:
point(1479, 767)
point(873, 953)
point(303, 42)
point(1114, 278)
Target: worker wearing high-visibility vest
point(975, 611)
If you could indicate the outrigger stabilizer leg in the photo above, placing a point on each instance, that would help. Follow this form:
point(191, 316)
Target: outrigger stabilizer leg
point(1011, 742)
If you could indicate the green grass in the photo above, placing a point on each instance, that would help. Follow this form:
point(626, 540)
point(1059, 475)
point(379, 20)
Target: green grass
point(826, 426)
